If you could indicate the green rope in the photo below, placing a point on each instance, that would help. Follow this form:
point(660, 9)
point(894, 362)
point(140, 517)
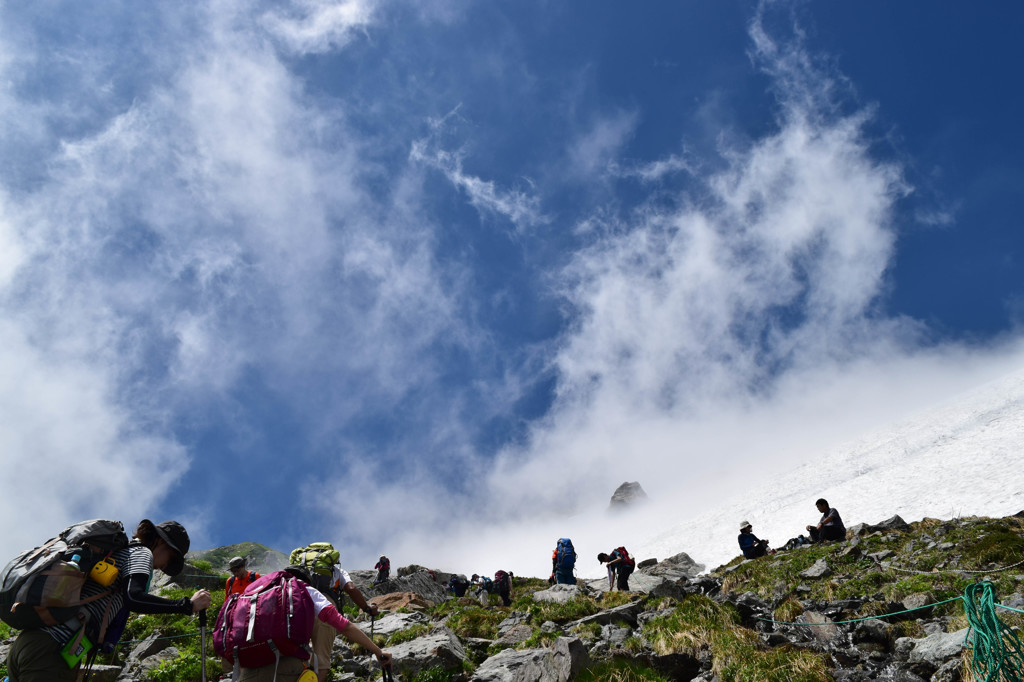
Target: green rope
point(997, 653)
point(136, 641)
point(858, 620)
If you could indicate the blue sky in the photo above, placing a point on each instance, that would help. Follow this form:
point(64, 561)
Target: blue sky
point(381, 272)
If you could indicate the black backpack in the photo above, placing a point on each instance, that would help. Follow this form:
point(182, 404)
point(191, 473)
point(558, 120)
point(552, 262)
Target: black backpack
point(42, 587)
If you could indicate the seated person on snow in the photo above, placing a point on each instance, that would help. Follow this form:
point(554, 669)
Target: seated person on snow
point(751, 546)
point(830, 527)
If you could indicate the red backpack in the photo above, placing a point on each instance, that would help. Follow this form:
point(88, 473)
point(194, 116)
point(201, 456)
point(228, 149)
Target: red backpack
point(272, 618)
point(626, 559)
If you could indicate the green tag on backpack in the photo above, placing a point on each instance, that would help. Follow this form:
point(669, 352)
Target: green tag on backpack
point(76, 650)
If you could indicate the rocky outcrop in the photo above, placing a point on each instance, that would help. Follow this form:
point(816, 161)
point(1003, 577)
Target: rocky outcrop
point(676, 567)
point(431, 585)
point(560, 663)
point(440, 648)
point(626, 496)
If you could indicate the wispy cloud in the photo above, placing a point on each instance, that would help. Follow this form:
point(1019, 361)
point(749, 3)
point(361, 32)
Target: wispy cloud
point(315, 26)
point(521, 208)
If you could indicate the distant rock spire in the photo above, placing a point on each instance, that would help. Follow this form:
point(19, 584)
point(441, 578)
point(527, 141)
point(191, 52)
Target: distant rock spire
point(627, 495)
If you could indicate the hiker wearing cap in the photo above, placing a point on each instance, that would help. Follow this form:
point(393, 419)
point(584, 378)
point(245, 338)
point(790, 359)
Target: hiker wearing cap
point(830, 527)
point(620, 567)
point(36, 655)
point(751, 546)
point(240, 578)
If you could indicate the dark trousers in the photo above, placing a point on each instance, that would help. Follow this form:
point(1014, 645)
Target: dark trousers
point(35, 657)
point(827, 533)
point(564, 576)
point(622, 573)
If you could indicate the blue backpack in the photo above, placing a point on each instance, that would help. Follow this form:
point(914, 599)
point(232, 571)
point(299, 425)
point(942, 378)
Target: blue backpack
point(566, 557)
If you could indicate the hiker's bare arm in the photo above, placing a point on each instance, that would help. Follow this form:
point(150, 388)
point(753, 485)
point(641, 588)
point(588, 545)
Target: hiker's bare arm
point(352, 591)
point(357, 636)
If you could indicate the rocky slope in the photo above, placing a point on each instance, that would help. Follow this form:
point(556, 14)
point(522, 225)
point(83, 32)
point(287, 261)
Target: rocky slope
point(813, 613)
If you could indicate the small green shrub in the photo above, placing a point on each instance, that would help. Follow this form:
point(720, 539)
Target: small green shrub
point(475, 621)
point(610, 600)
point(408, 634)
point(587, 630)
point(788, 610)
point(436, 674)
point(187, 666)
point(620, 671)
point(574, 609)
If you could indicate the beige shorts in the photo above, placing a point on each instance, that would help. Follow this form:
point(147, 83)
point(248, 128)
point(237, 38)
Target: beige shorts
point(323, 643)
point(288, 670)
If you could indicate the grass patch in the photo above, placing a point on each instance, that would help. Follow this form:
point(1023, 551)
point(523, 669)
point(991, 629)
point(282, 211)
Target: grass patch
point(587, 630)
point(436, 674)
point(476, 621)
point(699, 623)
point(620, 671)
point(788, 610)
point(408, 634)
point(609, 600)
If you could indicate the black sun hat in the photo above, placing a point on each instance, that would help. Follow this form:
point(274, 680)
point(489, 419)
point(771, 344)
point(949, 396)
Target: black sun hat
point(176, 537)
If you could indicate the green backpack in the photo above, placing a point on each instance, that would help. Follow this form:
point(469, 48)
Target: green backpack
point(316, 557)
point(319, 559)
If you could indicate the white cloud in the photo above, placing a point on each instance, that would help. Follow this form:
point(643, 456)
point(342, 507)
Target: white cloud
point(68, 451)
point(316, 26)
point(519, 207)
point(738, 329)
point(217, 224)
point(657, 170)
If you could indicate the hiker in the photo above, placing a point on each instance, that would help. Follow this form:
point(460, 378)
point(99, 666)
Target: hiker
point(38, 655)
point(563, 561)
point(320, 560)
point(240, 578)
point(830, 527)
point(457, 585)
point(383, 567)
point(620, 567)
point(288, 668)
point(751, 546)
point(483, 588)
point(503, 582)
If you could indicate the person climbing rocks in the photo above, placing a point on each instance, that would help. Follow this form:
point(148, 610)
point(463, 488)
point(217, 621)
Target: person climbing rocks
point(42, 654)
point(320, 561)
point(620, 566)
point(563, 562)
point(383, 567)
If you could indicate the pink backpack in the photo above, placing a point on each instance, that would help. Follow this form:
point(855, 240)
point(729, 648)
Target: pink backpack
point(272, 618)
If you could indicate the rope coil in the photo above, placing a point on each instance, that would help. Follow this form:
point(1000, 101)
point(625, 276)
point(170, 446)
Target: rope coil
point(997, 653)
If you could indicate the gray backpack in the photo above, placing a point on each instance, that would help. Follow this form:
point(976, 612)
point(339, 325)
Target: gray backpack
point(42, 587)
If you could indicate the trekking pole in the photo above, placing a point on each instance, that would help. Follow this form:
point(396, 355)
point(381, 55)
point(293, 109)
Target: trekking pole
point(202, 645)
